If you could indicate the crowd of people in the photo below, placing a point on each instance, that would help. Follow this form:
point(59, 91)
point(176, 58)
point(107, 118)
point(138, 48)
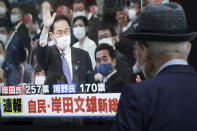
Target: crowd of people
point(21, 36)
point(67, 45)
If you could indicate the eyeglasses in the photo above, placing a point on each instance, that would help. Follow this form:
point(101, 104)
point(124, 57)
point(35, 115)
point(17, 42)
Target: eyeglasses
point(104, 36)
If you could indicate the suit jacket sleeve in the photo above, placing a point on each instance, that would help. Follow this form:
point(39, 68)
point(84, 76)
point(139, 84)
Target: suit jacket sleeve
point(129, 115)
point(43, 56)
point(124, 68)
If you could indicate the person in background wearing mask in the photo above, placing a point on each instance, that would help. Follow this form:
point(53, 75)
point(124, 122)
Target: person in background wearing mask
point(107, 34)
point(40, 76)
point(21, 30)
point(106, 65)
point(80, 8)
point(125, 24)
point(80, 27)
point(74, 64)
point(4, 13)
point(19, 38)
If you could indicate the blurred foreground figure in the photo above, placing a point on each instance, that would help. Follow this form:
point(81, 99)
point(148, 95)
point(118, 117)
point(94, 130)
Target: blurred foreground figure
point(167, 100)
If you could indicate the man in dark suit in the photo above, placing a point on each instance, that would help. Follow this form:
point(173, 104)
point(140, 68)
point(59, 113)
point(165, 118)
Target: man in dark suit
point(105, 65)
point(19, 40)
point(107, 35)
point(167, 100)
point(73, 63)
point(20, 29)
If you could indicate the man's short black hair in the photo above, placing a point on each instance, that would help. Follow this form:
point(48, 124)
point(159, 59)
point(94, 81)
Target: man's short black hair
point(105, 46)
point(60, 17)
point(104, 26)
point(84, 3)
point(137, 2)
point(38, 69)
point(83, 18)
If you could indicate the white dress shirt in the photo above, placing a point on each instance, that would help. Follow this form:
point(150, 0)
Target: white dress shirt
point(89, 46)
point(108, 76)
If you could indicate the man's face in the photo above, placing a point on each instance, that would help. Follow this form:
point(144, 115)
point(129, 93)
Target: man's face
point(78, 7)
point(103, 57)
point(61, 34)
point(157, 2)
point(105, 36)
point(16, 11)
point(61, 28)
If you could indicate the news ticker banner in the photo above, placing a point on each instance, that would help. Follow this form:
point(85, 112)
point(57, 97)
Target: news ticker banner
point(67, 105)
point(56, 89)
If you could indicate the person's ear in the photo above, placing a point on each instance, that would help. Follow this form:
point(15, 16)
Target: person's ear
point(189, 46)
point(114, 62)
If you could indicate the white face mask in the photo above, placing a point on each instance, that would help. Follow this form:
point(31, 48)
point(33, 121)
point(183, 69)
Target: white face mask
point(63, 42)
point(79, 32)
point(2, 58)
point(132, 14)
point(79, 13)
point(108, 41)
point(3, 38)
point(14, 18)
point(2, 10)
point(39, 80)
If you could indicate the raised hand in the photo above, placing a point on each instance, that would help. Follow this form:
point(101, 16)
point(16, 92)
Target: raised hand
point(47, 18)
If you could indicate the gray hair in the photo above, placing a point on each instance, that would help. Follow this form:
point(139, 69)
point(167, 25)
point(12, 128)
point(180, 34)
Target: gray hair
point(159, 49)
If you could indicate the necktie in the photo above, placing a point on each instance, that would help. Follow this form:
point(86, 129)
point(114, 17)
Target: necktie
point(66, 69)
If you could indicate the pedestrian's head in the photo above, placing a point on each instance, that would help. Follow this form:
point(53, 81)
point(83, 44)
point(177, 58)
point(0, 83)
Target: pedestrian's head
point(105, 59)
point(61, 32)
point(80, 27)
point(161, 35)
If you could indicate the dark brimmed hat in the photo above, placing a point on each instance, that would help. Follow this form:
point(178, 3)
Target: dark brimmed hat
point(165, 22)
